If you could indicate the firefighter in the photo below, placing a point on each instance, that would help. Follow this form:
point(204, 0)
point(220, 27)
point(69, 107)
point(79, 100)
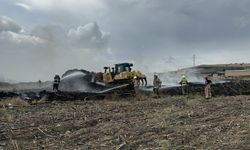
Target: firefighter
point(156, 84)
point(136, 81)
point(184, 85)
point(136, 84)
point(39, 83)
point(56, 82)
point(208, 83)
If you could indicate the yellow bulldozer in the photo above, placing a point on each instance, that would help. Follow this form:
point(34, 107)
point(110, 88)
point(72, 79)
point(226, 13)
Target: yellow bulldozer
point(119, 74)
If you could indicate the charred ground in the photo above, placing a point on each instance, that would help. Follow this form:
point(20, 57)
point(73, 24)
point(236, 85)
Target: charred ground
point(218, 89)
point(143, 122)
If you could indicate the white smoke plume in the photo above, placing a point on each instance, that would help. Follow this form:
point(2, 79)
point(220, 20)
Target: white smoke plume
point(173, 78)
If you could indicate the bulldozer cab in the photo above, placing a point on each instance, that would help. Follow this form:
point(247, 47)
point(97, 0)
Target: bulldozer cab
point(124, 67)
point(123, 71)
point(119, 74)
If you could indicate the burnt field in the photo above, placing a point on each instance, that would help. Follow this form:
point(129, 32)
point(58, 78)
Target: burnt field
point(34, 119)
point(218, 89)
point(176, 122)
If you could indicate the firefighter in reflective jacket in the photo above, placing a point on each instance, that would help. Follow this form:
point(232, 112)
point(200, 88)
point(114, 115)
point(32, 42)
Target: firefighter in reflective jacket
point(136, 84)
point(208, 83)
point(184, 85)
point(56, 82)
point(157, 84)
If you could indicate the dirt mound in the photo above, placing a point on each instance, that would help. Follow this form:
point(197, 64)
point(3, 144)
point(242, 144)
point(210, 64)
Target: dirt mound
point(78, 80)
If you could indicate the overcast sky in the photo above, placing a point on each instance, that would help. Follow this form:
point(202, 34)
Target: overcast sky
point(39, 38)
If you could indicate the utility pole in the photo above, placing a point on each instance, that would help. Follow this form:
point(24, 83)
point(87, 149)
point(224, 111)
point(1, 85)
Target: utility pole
point(194, 60)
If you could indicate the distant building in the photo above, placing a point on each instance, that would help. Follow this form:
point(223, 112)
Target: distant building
point(220, 71)
point(237, 74)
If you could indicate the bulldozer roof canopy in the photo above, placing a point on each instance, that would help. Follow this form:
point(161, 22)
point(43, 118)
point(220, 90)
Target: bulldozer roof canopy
point(124, 64)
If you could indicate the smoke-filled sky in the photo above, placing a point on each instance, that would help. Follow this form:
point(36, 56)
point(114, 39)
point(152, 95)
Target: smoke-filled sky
point(39, 38)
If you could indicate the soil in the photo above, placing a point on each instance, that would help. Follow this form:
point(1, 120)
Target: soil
point(144, 122)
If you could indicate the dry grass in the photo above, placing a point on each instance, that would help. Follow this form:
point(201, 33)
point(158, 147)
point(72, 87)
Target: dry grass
point(179, 122)
point(43, 100)
point(14, 102)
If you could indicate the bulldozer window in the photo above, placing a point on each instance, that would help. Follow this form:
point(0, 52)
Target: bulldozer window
point(127, 68)
point(120, 69)
point(123, 68)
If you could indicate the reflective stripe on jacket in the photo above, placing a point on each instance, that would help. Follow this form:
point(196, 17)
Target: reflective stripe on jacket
point(184, 81)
